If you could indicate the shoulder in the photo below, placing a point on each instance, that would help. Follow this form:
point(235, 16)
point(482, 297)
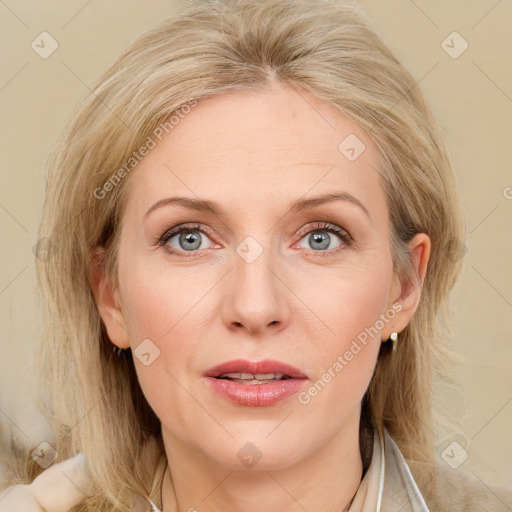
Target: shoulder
point(58, 488)
point(444, 489)
point(458, 490)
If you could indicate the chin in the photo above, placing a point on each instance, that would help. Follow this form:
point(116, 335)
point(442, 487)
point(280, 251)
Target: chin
point(257, 452)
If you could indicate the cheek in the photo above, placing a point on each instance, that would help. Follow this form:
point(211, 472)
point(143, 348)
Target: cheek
point(161, 308)
point(159, 315)
point(158, 301)
point(350, 301)
point(353, 314)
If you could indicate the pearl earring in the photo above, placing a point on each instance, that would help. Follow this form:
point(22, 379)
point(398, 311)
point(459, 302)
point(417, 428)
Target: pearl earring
point(394, 338)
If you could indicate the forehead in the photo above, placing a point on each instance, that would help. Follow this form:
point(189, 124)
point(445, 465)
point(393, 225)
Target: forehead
point(260, 148)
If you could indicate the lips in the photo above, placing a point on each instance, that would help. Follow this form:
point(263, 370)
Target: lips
point(264, 367)
point(255, 384)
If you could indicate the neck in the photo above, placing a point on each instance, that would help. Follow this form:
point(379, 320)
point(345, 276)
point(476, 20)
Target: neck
point(326, 480)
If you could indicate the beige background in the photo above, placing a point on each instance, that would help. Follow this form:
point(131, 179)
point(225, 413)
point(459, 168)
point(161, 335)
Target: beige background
point(471, 96)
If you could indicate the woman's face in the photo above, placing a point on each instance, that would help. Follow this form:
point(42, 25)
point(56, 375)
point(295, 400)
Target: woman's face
point(272, 274)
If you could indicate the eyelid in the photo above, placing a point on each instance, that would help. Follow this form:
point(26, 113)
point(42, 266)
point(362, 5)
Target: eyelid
point(178, 229)
point(326, 226)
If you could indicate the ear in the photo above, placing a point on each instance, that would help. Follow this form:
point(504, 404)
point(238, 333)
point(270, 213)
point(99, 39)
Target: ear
point(407, 294)
point(107, 299)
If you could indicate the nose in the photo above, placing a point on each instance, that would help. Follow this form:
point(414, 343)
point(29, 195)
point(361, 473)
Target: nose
point(256, 297)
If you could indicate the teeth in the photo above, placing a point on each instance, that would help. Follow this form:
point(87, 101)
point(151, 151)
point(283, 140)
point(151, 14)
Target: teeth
point(250, 376)
point(266, 376)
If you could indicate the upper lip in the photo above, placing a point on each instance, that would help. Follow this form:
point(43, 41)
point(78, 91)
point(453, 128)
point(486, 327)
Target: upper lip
point(261, 367)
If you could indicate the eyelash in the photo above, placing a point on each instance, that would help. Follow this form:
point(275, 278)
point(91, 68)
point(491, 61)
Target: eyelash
point(345, 237)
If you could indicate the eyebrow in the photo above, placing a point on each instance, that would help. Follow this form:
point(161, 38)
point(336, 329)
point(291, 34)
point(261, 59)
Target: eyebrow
point(297, 206)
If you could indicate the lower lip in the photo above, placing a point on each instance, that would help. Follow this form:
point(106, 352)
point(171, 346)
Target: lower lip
point(255, 395)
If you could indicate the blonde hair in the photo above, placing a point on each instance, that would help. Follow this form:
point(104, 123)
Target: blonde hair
point(92, 398)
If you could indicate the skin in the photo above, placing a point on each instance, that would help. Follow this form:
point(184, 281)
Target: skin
point(254, 153)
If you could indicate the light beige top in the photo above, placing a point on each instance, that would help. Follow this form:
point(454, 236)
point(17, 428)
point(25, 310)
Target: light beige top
point(387, 486)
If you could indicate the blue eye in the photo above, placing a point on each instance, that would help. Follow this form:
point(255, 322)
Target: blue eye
point(185, 239)
point(320, 239)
